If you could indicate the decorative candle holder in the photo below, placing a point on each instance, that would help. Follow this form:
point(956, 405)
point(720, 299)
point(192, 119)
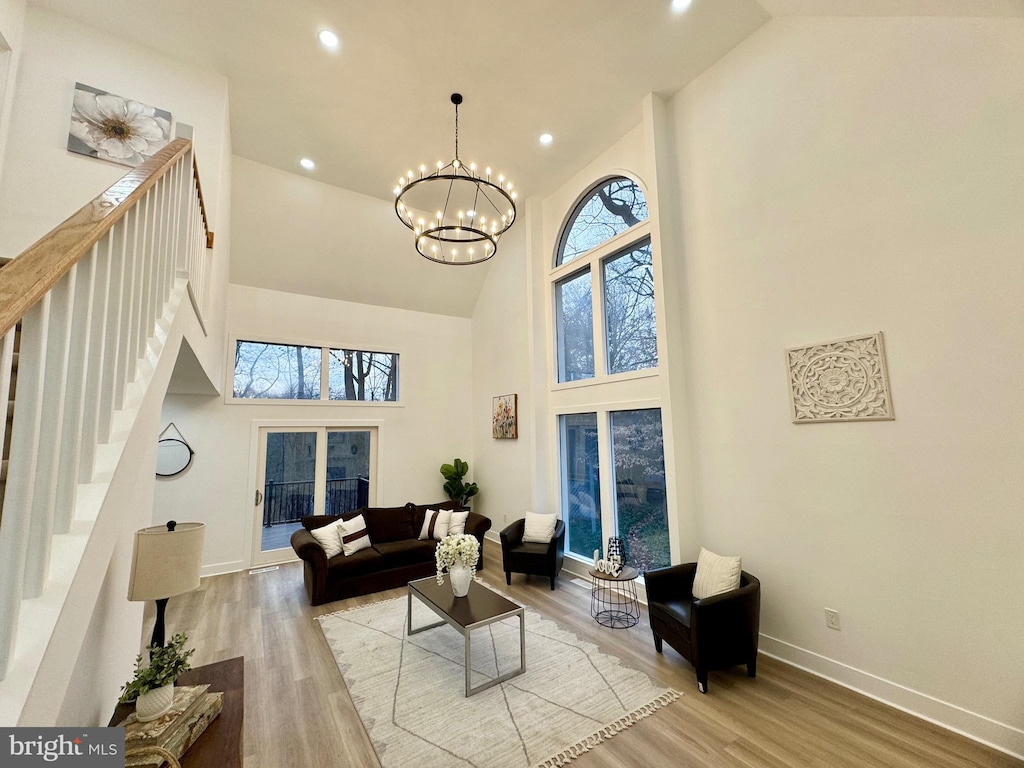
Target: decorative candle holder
point(615, 548)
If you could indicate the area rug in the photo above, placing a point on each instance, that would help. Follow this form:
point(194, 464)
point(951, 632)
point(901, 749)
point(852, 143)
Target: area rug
point(409, 691)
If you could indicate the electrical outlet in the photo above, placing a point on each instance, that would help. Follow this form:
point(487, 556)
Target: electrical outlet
point(832, 619)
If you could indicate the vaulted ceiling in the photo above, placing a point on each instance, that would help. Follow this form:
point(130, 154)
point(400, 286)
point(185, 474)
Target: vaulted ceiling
point(378, 105)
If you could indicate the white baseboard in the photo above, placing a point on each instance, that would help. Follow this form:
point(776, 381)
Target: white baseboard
point(1006, 738)
point(217, 569)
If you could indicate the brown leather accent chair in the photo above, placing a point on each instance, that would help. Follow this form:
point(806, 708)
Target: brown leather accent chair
point(518, 556)
point(714, 633)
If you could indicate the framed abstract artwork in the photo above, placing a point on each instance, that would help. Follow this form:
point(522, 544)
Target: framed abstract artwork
point(841, 380)
point(116, 129)
point(504, 418)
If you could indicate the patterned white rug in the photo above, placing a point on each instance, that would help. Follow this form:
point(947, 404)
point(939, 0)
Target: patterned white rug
point(410, 690)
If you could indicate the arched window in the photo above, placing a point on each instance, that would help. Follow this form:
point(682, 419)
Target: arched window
point(609, 283)
point(611, 448)
point(613, 207)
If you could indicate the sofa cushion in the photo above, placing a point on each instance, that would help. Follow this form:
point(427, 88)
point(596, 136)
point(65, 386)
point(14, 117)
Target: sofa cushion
point(435, 524)
point(354, 537)
point(396, 554)
point(329, 537)
point(363, 561)
point(388, 523)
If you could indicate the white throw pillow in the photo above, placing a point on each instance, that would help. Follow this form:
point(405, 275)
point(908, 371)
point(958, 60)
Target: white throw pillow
point(435, 524)
point(329, 537)
point(539, 528)
point(354, 536)
point(458, 523)
point(715, 574)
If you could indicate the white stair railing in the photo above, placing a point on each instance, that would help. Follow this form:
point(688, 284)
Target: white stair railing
point(89, 297)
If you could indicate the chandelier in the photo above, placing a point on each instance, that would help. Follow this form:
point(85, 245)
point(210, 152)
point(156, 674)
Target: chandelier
point(456, 211)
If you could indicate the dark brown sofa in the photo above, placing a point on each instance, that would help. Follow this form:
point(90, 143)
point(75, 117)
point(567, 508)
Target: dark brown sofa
point(396, 557)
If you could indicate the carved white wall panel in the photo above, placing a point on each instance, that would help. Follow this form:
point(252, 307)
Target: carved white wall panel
point(841, 380)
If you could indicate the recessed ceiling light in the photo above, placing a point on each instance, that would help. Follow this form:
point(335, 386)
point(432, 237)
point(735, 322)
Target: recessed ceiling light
point(546, 138)
point(328, 39)
point(681, 5)
point(308, 164)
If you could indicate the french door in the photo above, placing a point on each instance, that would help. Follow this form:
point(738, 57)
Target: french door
point(308, 471)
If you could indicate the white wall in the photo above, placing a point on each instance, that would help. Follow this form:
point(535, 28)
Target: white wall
point(431, 425)
point(842, 176)
point(502, 366)
point(12, 25)
point(303, 236)
point(43, 183)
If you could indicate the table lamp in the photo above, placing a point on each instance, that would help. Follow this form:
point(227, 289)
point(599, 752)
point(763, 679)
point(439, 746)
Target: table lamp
point(166, 562)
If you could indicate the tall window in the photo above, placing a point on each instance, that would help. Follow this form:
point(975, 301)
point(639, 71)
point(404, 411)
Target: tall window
point(574, 320)
point(606, 341)
point(631, 339)
point(581, 488)
point(641, 514)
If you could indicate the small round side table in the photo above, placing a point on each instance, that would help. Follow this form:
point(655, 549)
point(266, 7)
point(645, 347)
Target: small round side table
point(613, 600)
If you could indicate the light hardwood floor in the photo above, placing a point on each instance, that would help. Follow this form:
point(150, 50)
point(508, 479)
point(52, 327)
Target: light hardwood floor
point(298, 712)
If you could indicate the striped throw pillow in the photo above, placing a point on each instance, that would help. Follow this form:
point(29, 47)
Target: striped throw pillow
point(354, 536)
point(715, 574)
point(435, 524)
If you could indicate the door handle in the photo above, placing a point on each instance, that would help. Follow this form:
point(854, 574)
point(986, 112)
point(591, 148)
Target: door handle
point(259, 497)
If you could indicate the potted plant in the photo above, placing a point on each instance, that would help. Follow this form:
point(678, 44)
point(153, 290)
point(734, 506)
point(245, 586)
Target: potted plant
point(453, 486)
point(152, 688)
point(458, 555)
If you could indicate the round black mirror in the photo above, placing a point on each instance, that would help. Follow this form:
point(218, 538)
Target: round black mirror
point(172, 456)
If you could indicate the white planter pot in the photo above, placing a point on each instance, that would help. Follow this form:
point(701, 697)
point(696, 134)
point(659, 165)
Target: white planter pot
point(153, 704)
point(460, 577)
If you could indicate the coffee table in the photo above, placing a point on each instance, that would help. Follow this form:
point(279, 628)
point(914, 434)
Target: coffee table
point(480, 607)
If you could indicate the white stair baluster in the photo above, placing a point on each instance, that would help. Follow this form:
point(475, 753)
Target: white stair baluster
point(94, 364)
point(115, 257)
point(18, 496)
point(125, 351)
point(74, 408)
point(140, 279)
point(51, 425)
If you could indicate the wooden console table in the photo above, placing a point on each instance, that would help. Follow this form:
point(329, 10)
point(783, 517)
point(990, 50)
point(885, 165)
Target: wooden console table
point(220, 746)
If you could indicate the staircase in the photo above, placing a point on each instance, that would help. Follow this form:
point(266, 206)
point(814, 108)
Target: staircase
point(90, 325)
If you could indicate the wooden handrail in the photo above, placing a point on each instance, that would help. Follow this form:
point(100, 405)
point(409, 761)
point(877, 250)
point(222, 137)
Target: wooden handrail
point(28, 277)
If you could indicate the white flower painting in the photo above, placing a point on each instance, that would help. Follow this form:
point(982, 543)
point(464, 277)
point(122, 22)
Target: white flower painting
point(114, 128)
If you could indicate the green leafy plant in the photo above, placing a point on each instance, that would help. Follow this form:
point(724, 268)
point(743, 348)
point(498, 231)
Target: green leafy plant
point(165, 664)
point(454, 487)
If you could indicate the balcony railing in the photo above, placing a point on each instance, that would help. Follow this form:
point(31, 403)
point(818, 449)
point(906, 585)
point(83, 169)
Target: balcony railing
point(290, 502)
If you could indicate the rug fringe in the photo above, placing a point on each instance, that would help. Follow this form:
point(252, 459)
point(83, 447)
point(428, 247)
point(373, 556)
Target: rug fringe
point(357, 607)
point(608, 731)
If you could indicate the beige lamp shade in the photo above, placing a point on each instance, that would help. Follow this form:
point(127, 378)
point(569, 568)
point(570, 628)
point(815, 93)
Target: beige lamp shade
point(166, 563)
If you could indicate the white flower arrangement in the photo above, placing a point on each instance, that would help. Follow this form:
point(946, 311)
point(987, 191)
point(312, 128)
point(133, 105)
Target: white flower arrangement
point(459, 548)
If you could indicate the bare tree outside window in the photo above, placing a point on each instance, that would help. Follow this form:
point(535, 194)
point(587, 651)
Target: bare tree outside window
point(631, 334)
point(358, 375)
point(614, 208)
point(575, 319)
point(276, 371)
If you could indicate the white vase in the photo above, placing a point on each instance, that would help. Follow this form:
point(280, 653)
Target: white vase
point(460, 577)
point(152, 704)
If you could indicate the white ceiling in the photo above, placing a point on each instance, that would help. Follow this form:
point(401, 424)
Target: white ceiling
point(379, 106)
